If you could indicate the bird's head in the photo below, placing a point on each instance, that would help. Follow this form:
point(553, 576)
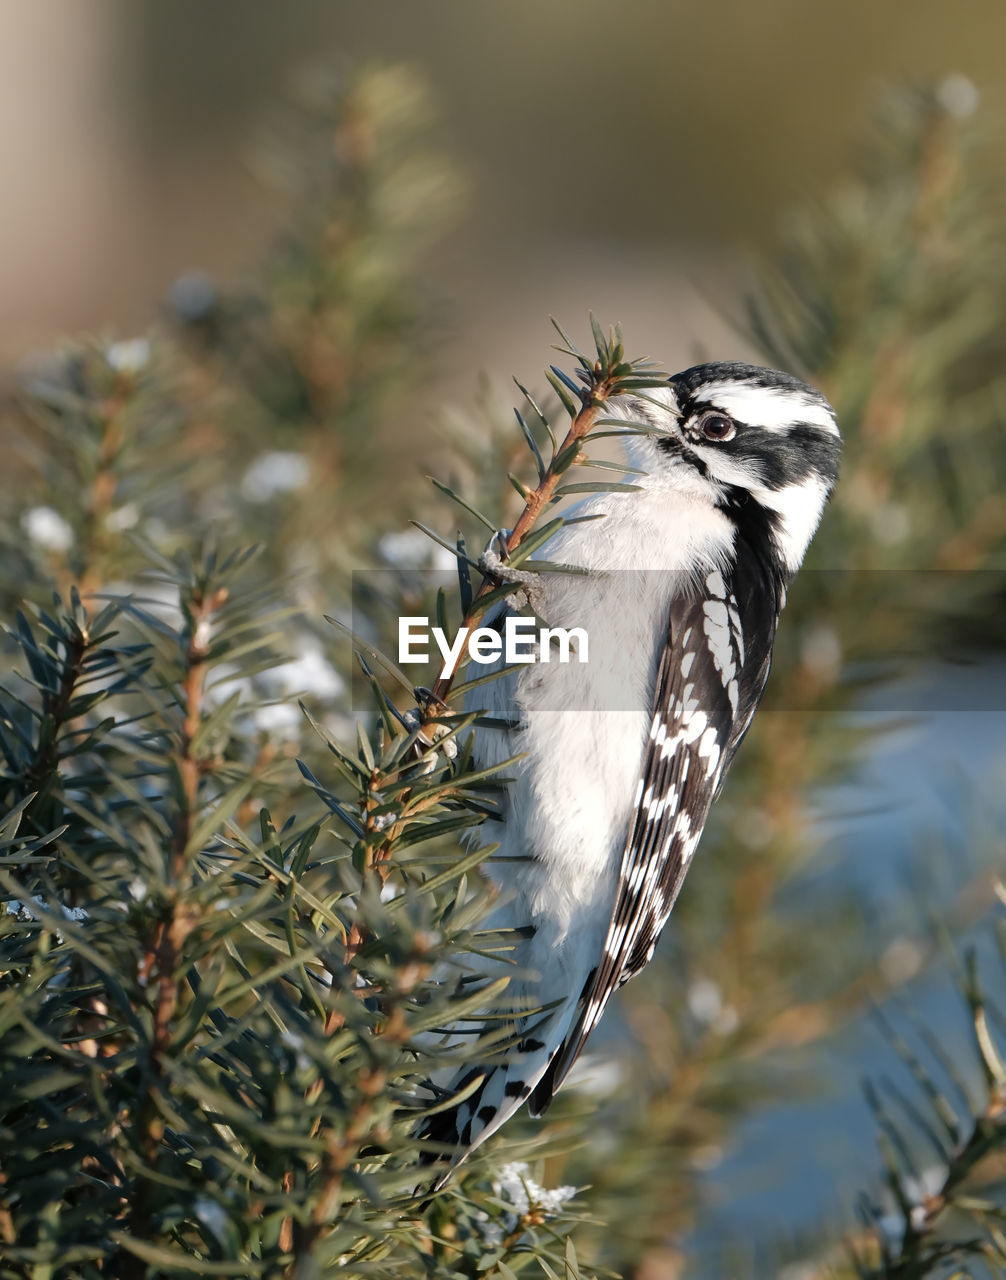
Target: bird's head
point(760, 442)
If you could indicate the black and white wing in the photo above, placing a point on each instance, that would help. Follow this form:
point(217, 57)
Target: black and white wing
point(710, 679)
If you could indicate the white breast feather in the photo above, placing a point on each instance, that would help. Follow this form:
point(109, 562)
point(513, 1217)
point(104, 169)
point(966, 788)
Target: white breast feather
point(580, 732)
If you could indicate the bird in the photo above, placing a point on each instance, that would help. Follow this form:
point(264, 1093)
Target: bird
point(678, 582)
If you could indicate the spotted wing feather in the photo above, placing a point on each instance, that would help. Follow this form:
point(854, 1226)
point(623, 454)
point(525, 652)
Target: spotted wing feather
point(710, 679)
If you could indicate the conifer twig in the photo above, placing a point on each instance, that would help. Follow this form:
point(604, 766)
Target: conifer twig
point(165, 947)
point(604, 378)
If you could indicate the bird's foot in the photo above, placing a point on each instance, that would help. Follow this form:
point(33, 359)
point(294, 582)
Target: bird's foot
point(493, 563)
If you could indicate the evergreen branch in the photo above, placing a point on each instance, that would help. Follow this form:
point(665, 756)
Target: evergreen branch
point(42, 774)
point(162, 962)
point(606, 378)
point(919, 1249)
point(110, 416)
point(171, 934)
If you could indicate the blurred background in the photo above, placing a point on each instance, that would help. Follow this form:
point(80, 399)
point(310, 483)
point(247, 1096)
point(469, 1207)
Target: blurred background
point(634, 161)
point(656, 144)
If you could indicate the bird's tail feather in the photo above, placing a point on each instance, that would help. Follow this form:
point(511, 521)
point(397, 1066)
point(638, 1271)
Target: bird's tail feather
point(503, 1088)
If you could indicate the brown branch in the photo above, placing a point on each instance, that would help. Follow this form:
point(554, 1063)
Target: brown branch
point(161, 961)
point(103, 490)
point(593, 399)
point(173, 931)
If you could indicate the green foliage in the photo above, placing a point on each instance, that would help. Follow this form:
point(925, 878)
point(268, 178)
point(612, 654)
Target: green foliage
point(222, 980)
point(211, 1038)
point(950, 1211)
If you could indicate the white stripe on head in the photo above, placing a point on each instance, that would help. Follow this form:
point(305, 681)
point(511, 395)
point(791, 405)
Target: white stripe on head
point(774, 408)
point(799, 507)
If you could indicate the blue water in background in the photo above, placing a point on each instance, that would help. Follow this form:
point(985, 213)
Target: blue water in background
point(919, 816)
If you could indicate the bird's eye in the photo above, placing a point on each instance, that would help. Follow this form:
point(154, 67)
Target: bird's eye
point(716, 426)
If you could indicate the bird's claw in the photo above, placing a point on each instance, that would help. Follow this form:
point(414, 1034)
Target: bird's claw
point(493, 563)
